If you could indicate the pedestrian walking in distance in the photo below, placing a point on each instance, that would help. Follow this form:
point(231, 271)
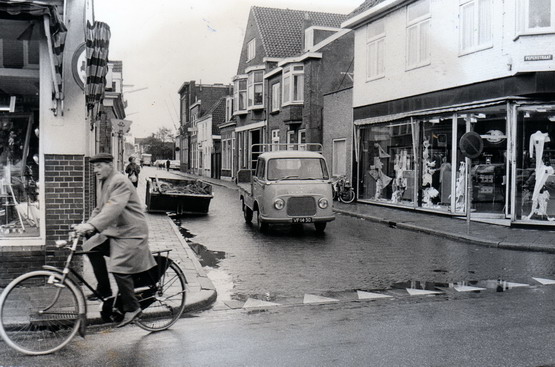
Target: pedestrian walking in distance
point(119, 230)
point(168, 165)
point(132, 171)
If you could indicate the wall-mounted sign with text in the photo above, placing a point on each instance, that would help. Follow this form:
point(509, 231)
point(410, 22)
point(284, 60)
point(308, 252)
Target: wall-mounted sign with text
point(538, 57)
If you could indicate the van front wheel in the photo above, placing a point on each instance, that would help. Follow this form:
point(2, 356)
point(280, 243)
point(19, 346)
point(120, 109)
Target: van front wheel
point(247, 213)
point(262, 226)
point(320, 226)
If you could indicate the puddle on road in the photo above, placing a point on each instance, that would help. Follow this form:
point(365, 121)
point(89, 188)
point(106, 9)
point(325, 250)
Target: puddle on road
point(207, 257)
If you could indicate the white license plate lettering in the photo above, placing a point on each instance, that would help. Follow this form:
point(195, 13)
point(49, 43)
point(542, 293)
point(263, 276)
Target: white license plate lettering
point(302, 220)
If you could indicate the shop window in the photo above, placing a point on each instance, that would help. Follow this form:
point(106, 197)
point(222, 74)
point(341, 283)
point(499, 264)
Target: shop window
point(535, 163)
point(436, 167)
point(418, 34)
point(375, 46)
point(19, 174)
point(489, 170)
point(535, 16)
point(387, 163)
point(475, 25)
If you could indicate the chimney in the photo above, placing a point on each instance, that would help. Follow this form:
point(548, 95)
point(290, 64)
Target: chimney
point(307, 23)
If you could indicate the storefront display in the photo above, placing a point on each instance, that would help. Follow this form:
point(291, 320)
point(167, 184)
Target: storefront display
point(535, 190)
point(19, 131)
point(388, 169)
point(437, 179)
point(19, 174)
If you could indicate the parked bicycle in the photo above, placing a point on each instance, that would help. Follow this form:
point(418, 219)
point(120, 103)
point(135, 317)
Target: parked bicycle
point(343, 191)
point(42, 310)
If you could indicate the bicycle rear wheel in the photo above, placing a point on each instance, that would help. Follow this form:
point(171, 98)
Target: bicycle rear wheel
point(27, 324)
point(168, 301)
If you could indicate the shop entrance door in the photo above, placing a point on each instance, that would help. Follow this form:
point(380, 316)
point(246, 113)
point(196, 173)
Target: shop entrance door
point(489, 171)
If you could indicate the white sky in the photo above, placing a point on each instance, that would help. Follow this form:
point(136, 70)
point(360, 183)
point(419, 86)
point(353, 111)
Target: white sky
point(163, 44)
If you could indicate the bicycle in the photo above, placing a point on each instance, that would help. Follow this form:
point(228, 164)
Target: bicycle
point(42, 310)
point(343, 191)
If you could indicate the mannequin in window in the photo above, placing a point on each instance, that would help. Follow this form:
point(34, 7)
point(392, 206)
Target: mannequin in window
point(537, 141)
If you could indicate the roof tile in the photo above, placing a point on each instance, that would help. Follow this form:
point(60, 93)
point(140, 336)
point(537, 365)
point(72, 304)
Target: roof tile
point(282, 29)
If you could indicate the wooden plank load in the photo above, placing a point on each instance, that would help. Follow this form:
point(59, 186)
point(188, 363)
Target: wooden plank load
point(180, 196)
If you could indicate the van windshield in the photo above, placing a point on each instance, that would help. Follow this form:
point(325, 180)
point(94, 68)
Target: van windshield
point(297, 169)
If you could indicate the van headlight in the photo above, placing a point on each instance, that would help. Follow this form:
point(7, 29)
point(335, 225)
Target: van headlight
point(323, 203)
point(279, 204)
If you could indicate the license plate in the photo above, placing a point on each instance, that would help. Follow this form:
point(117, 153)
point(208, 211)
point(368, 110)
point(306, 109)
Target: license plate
point(302, 220)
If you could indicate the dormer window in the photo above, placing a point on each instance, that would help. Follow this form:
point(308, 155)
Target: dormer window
point(251, 49)
point(293, 84)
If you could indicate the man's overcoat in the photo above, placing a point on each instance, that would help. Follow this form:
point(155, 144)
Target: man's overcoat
point(119, 217)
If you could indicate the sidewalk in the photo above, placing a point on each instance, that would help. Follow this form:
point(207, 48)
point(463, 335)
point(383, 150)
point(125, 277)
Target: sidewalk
point(164, 234)
point(453, 228)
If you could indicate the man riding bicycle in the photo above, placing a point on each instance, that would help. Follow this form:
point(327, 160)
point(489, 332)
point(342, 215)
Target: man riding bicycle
point(120, 232)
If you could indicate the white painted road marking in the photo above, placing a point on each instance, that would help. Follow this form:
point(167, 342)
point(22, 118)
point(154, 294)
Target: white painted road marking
point(310, 298)
point(371, 295)
point(256, 303)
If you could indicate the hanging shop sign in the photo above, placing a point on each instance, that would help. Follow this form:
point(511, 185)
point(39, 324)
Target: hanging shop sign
point(471, 144)
point(121, 126)
point(79, 66)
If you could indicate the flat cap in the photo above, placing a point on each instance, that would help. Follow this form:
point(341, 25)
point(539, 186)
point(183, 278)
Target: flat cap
point(102, 157)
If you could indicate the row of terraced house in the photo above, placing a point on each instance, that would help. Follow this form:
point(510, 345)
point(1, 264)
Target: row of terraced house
point(389, 90)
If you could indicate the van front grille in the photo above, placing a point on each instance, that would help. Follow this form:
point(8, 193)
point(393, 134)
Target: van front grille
point(301, 206)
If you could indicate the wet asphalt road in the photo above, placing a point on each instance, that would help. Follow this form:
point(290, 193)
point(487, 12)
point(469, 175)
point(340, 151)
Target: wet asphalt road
point(511, 329)
point(353, 254)
point(484, 328)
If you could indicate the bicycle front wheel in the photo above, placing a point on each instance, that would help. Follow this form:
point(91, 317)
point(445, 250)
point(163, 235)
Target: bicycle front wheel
point(168, 302)
point(347, 196)
point(38, 314)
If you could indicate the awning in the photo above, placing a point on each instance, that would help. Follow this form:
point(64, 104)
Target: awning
point(98, 42)
point(54, 28)
point(428, 112)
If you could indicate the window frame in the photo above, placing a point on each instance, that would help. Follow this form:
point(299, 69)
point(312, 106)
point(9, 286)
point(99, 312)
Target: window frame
point(237, 93)
point(251, 89)
point(523, 28)
point(251, 49)
point(290, 139)
point(275, 139)
point(420, 23)
point(475, 26)
point(276, 97)
point(295, 78)
point(377, 40)
point(229, 108)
